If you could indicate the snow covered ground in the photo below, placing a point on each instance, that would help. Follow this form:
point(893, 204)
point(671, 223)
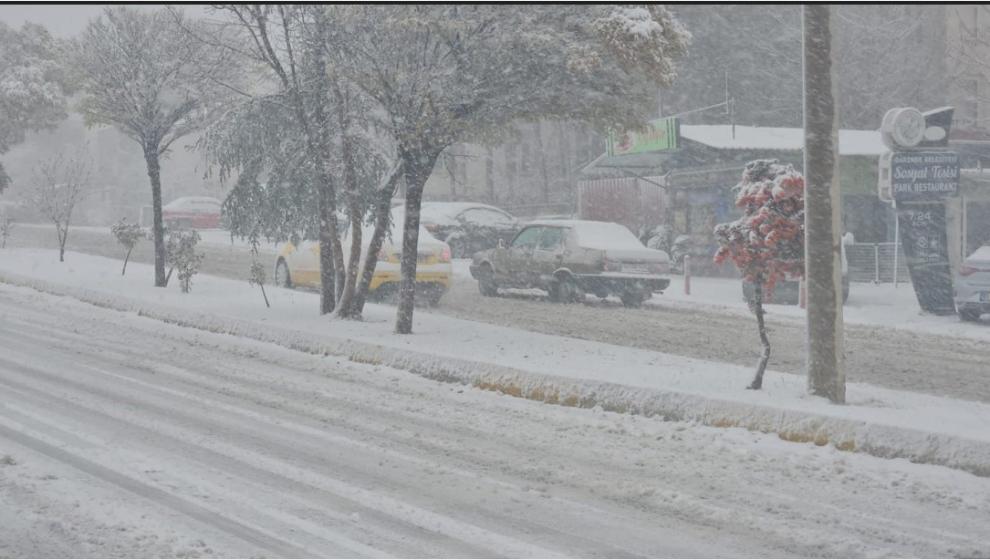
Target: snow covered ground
point(896, 358)
point(614, 373)
point(869, 304)
point(125, 436)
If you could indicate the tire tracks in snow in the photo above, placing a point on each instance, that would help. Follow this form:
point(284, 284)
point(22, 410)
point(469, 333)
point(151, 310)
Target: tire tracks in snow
point(790, 499)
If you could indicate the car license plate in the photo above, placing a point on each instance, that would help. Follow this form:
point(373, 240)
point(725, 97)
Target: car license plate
point(635, 269)
point(984, 297)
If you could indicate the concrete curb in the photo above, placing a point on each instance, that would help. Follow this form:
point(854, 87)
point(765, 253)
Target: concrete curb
point(879, 440)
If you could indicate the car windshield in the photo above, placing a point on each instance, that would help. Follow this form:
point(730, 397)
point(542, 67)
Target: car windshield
point(486, 217)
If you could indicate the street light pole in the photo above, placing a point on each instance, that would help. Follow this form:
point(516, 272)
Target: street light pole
point(823, 257)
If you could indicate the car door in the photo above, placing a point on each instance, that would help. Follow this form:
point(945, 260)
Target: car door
point(516, 266)
point(304, 263)
point(548, 255)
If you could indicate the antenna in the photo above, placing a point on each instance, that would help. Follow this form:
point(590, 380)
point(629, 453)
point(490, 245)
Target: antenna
point(730, 108)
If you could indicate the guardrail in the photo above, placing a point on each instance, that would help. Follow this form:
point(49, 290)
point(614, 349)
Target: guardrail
point(874, 262)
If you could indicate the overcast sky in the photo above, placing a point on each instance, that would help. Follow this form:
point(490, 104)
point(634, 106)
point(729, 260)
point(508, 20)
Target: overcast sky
point(65, 20)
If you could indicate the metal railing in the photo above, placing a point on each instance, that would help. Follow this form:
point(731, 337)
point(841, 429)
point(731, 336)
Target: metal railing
point(874, 262)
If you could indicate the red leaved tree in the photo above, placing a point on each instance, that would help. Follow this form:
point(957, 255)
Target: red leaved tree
point(767, 242)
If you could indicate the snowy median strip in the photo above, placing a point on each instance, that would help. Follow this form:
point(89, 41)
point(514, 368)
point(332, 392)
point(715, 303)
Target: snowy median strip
point(553, 369)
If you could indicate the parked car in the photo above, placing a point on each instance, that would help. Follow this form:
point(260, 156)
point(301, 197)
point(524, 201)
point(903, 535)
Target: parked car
point(467, 226)
point(569, 258)
point(973, 285)
point(199, 212)
point(298, 264)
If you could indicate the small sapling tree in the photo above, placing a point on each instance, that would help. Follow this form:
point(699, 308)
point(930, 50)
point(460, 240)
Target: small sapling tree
point(767, 243)
point(257, 275)
point(128, 236)
point(181, 255)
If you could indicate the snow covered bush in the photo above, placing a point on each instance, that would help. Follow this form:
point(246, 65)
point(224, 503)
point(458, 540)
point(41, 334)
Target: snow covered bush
point(181, 256)
point(767, 243)
point(127, 235)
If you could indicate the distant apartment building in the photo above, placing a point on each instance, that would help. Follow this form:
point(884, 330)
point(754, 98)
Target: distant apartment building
point(531, 171)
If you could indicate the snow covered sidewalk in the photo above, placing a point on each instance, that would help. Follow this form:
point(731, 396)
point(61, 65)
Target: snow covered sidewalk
point(548, 368)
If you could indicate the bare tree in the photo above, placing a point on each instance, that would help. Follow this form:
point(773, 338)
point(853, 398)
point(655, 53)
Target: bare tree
point(142, 75)
point(59, 184)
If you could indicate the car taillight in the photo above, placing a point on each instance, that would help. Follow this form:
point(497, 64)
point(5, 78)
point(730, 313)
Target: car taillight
point(966, 270)
point(445, 254)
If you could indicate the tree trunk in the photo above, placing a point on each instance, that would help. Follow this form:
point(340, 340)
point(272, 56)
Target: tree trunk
point(157, 228)
point(345, 305)
point(544, 176)
point(823, 264)
point(490, 175)
point(126, 258)
point(383, 211)
point(328, 231)
point(417, 166)
point(264, 295)
point(63, 235)
point(764, 339)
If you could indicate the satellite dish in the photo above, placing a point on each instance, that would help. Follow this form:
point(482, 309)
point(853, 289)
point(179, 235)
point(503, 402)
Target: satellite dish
point(903, 127)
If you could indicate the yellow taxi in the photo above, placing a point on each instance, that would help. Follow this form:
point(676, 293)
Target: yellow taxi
point(299, 264)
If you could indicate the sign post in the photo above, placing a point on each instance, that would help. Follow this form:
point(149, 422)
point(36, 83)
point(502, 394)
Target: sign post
point(916, 178)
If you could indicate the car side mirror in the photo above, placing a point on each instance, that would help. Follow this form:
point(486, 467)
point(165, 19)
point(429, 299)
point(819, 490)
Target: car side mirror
point(501, 243)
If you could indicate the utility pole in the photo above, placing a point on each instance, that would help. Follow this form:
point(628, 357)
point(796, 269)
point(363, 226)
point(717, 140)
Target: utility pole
point(823, 207)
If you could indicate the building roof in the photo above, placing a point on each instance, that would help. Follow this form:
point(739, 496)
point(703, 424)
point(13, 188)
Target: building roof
point(851, 142)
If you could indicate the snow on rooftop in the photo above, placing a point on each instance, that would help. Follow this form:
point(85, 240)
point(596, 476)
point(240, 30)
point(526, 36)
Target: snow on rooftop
point(851, 142)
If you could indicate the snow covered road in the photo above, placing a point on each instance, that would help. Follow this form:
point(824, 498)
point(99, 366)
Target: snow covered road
point(124, 436)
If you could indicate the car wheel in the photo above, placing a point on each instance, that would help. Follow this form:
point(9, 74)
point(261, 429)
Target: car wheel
point(282, 277)
point(969, 315)
point(486, 282)
point(565, 290)
point(433, 299)
point(632, 299)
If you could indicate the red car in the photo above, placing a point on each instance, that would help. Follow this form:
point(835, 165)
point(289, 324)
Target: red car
point(198, 212)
